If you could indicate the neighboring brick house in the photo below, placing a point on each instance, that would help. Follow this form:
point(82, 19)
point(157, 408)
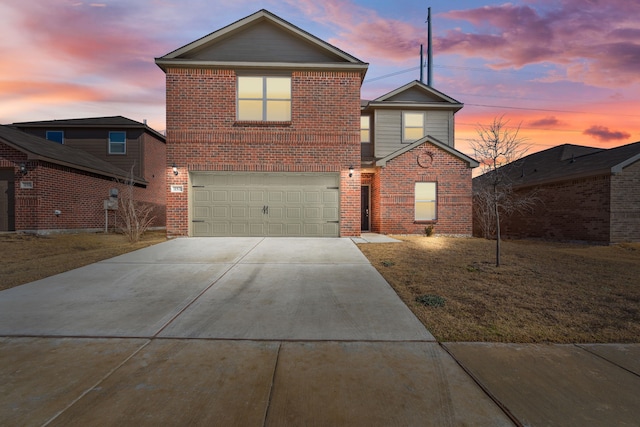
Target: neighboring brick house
point(264, 132)
point(586, 194)
point(46, 186)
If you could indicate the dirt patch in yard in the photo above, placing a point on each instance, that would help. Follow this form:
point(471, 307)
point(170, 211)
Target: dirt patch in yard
point(543, 292)
point(28, 257)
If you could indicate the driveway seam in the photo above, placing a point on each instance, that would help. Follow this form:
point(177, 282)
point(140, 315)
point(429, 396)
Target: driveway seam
point(593, 353)
point(100, 381)
point(273, 381)
point(197, 297)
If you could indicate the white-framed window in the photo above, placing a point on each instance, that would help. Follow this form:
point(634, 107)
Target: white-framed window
point(117, 142)
point(265, 99)
point(365, 129)
point(55, 136)
point(412, 126)
point(426, 201)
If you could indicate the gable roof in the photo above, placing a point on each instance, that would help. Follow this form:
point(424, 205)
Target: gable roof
point(118, 122)
point(216, 49)
point(37, 148)
point(428, 139)
point(570, 161)
point(416, 94)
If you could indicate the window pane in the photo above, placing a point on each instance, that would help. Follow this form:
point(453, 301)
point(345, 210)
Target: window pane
point(55, 136)
point(425, 211)
point(117, 137)
point(249, 110)
point(116, 148)
point(414, 120)
point(413, 134)
point(278, 88)
point(364, 135)
point(279, 111)
point(249, 87)
point(425, 190)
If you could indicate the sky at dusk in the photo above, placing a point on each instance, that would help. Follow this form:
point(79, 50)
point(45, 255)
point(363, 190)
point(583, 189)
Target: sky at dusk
point(566, 71)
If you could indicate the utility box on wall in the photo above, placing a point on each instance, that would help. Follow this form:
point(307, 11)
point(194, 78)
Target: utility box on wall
point(111, 205)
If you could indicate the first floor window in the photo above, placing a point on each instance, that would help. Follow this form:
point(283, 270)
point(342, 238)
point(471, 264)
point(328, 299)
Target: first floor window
point(55, 136)
point(266, 99)
point(412, 126)
point(426, 201)
point(117, 142)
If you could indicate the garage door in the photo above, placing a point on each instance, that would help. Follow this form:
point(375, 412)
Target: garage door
point(265, 204)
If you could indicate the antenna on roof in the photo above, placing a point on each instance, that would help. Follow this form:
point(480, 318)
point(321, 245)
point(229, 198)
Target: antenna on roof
point(429, 50)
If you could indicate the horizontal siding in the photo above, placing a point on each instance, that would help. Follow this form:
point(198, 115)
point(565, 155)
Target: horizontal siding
point(388, 130)
point(262, 42)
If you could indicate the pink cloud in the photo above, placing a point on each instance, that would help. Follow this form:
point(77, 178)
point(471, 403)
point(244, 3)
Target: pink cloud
point(602, 133)
point(362, 32)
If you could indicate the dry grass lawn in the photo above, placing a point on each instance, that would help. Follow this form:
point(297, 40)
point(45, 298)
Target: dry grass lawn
point(28, 257)
point(543, 292)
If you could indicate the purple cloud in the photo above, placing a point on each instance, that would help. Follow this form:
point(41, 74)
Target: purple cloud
point(597, 42)
point(602, 133)
point(545, 122)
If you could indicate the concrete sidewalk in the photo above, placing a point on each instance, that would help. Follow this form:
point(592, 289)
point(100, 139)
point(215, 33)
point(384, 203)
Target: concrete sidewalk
point(252, 331)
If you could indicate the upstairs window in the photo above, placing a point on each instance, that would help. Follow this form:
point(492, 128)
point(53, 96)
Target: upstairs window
point(117, 142)
point(55, 136)
point(264, 99)
point(365, 129)
point(426, 201)
point(412, 126)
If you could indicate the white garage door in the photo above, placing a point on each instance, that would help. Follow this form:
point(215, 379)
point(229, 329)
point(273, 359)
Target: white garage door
point(265, 204)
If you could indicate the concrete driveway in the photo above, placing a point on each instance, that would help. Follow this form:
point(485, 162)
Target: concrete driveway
point(230, 332)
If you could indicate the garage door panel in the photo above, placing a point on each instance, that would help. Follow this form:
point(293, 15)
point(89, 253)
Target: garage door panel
point(330, 214)
point(312, 213)
point(294, 196)
point(330, 196)
point(238, 212)
point(264, 204)
point(202, 212)
point(294, 213)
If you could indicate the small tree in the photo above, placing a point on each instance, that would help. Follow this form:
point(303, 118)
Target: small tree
point(496, 146)
point(134, 216)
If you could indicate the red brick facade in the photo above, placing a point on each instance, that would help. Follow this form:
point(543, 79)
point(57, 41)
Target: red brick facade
point(393, 199)
point(78, 195)
point(625, 205)
point(603, 209)
point(569, 210)
point(204, 135)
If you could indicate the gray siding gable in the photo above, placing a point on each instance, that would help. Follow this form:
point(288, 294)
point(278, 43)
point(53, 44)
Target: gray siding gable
point(414, 94)
point(262, 42)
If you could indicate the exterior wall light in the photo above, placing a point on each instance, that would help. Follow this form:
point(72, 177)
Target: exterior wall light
point(23, 169)
point(175, 169)
point(350, 171)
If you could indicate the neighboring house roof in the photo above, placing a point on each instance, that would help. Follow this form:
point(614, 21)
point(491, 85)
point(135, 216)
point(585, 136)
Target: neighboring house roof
point(115, 122)
point(414, 95)
point(428, 139)
point(37, 148)
point(569, 161)
point(261, 40)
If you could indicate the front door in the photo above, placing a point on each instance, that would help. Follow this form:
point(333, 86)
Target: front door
point(7, 200)
point(364, 205)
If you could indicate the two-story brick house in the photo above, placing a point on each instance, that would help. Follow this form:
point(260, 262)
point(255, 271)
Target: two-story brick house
point(267, 136)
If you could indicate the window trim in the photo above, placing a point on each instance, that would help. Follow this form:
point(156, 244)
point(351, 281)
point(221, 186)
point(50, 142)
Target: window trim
point(61, 132)
point(405, 127)
point(265, 100)
point(124, 144)
point(368, 129)
point(434, 201)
